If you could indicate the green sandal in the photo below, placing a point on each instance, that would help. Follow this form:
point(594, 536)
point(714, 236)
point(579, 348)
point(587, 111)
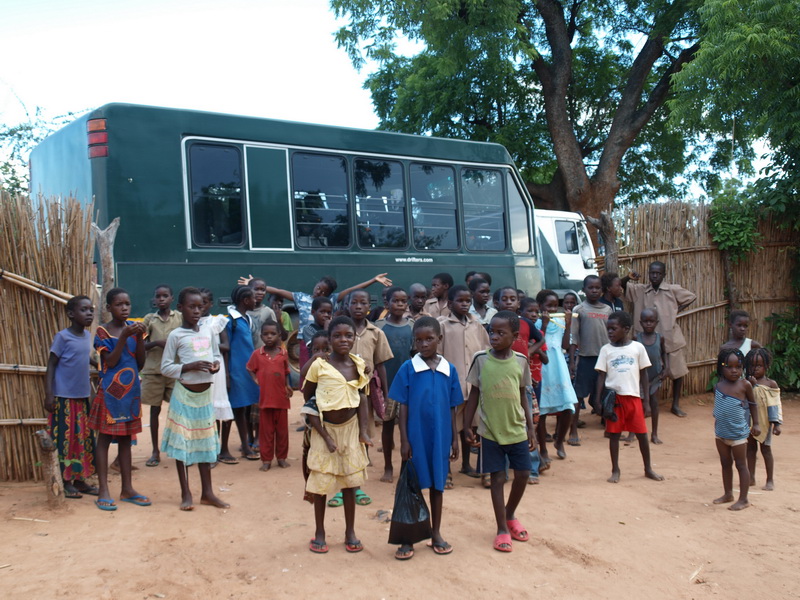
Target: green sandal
point(336, 501)
point(361, 498)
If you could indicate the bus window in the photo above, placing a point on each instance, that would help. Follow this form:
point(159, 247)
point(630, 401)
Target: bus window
point(319, 184)
point(380, 204)
point(433, 207)
point(484, 216)
point(567, 237)
point(518, 219)
point(215, 175)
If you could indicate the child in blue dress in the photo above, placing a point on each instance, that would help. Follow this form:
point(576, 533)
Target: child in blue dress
point(428, 391)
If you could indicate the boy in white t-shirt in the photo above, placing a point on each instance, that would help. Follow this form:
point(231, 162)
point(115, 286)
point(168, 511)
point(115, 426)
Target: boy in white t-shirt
point(622, 367)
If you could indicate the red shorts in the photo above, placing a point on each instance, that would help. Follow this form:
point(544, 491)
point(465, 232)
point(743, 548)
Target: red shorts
point(630, 416)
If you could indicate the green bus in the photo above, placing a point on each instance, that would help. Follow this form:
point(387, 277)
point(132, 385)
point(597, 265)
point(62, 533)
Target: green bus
point(204, 198)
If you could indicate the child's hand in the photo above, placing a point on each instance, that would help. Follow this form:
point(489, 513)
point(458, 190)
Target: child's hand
point(573, 369)
point(776, 429)
point(365, 439)
point(755, 430)
point(535, 419)
point(367, 370)
point(330, 444)
point(199, 365)
point(214, 367)
point(471, 438)
point(531, 440)
point(50, 405)
point(545, 316)
point(634, 275)
point(289, 392)
point(454, 450)
point(245, 280)
point(752, 380)
point(405, 451)
point(129, 330)
point(383, 279)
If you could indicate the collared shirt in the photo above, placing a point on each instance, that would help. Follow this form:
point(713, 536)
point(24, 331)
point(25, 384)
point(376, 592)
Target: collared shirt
point(271, 372)
point(158, 330)
point(333, 392)
point(666, 300)
point(434, 309)
point(372, 346)
point(490, 312)
point(419, 365)
point(460, 342)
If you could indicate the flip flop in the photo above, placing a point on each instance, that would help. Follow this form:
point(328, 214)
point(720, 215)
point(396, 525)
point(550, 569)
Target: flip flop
point(317, 547)
point(89, 490)
point(354, 547)
point(252, 456)
point(486, 481)
point(470, 473)
point(152, 462)
point(574, 441)
point(404, 552)
point(533, 480)
point(361, 498)
point(227, 460)
point(502, 543)
point(336, 501)
point(517, 530)
point(70, 491)
point(106, 504)
point(440, 548)
point(448, 484)
point(138, 500)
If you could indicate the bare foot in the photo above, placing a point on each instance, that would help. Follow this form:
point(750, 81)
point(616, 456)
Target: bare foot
point(614, 477)
point(187, 503)
point(631, 437)
point(770, 486)
point(724, 499)
point(560, 450)
point(265, 466)
point(283, 464)
point(388, 476)
point(740, 505)
point(752, 481)
point(654, 439)
point(308, 497)
point(650, 474)
point(212, 500)
point(677, 412)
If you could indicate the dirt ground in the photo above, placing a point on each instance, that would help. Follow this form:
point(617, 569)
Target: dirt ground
point(590, 538)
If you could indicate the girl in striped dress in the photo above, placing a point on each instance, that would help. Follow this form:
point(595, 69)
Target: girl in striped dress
point(733, 404)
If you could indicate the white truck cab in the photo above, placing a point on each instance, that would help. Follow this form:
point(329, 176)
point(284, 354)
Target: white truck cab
point(567, 251)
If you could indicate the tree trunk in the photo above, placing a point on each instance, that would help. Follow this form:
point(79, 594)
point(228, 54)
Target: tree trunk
point(730, 287)
point(105, 245)
point(606, 228)
point(53, 482)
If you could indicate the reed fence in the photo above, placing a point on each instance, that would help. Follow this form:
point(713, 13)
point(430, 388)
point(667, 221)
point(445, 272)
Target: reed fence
point(677, 234)
point(46, 255)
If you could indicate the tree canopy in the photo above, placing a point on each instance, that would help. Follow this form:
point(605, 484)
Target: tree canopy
point(569, 87)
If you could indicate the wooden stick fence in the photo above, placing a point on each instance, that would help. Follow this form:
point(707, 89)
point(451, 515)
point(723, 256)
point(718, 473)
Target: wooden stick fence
point(46, 255)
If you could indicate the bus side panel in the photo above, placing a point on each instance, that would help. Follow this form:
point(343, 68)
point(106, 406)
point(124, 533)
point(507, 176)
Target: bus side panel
point(268, 196)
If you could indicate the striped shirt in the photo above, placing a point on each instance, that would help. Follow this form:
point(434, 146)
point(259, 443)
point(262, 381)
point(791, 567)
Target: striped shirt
point(731, 417)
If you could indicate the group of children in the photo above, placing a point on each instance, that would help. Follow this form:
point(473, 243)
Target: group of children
point(456, 373)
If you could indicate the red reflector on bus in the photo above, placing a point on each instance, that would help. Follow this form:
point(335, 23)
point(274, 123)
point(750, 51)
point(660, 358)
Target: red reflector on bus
point(98, 138)
point(98, 151)
point(96, 125)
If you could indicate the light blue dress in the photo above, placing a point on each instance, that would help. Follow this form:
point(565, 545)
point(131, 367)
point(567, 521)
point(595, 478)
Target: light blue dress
point(557, 392)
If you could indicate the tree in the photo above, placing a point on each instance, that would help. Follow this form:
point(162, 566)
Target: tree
point(573, 80)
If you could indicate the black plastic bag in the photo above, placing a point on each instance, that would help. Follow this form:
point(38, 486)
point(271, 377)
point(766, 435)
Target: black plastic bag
point(608, 400)
point(411, 519)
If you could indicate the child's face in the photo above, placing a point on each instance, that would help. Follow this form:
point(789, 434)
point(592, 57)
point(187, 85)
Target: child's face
point(418, 298)
point(551, 304)
point(342, 339)
point(259, 291)
point(482, 294)
point(321, 289)
point(739, 328)
point(322, 315)
point(426, 341)
point(758, 368)
point(359, 305)
point(732, 368)
point(191, 309)
point(398, 304)
point(593, 290)
point(120, 307)
point(508, 300)
point(616, 288)
point(82, 314)
point(460, 304)
point(208, 302)
point(656, 275)
point(320, 345)
point(162, 298)
point(531, 311)
point(438, 289)
point(276, 303)
point(249, 302)
point(570, 301)
point(500, 335)
point(648, 321)
point(616, 332)
point(270, 336)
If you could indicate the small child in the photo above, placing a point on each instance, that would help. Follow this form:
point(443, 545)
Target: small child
point(437, 305)
point(505, 425)
point(191, 357)
point(658, 370)
point(269, 368)
point(537, 354)
point(399, 333)
point(217, 325)
point(587, 336)
point(739, 323)
point(337, 456)
point(321, 314)
point(481, 294)
point(260, 312)
point(116, 413)
point(733, 399)
point(157, 389)
point(622, 366)
point(320, 349)
point(417, 296)
point(428, 391)
point(612, 291)
point(282, 317)
point(67, 392)
point(462, 336)
point(569, 302)
point(767, 395)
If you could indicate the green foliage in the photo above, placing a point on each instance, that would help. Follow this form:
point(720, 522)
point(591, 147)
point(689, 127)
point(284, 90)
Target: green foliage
point(785, 348)
point(733, 222)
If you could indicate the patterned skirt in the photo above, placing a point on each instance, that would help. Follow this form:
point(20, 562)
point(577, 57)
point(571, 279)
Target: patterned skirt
point(190, 434)
point(99, 417)
point(333, 471)
point(74, 439)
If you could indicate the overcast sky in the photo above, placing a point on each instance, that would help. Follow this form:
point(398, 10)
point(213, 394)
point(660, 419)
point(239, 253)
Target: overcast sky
point(266, 58)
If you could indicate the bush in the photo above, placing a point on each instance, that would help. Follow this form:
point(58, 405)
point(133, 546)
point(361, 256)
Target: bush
point(785, 348)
